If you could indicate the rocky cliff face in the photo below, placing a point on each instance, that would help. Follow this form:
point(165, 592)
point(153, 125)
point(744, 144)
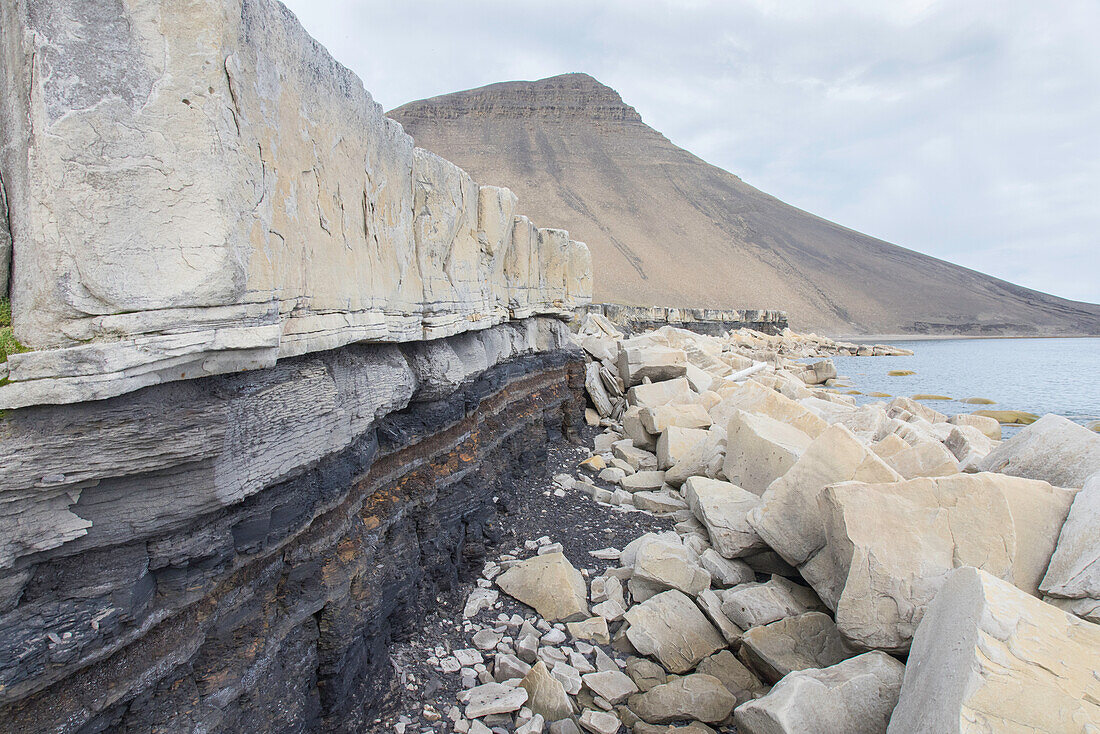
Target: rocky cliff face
point(286, 372)
point(666, 228)
point(205, 190)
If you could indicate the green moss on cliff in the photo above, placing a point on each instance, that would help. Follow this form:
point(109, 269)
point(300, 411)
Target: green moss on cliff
point(8, 343)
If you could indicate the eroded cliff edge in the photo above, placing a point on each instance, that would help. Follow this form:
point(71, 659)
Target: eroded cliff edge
point(285, 371)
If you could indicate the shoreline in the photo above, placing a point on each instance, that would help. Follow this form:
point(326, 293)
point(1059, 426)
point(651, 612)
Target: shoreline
point(887, 338)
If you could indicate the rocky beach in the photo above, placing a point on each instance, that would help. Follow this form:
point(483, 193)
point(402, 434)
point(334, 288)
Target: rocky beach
point(738, 547)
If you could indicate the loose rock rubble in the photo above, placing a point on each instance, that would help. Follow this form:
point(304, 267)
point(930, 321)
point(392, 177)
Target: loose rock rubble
point(790, 551)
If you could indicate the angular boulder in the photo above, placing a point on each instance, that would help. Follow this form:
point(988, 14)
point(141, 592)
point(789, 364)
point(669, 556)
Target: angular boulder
point(676, 442)
point(685, 415)
point(738, 680)
point(754, 604)
point(722, 507)
point(855, 696)
point(990, 427)
point(652, 361)
point(988, 657)
point(667, 564)
point(671, 628)
point(889, 546)
point(550, 585)
point(789, 519)
point(545, 693)
point(698, 696)
point(1053, 448)
point(755, 398)
point(653, 394)
point(760, 449)
point(1074, 570)
point(809, 640)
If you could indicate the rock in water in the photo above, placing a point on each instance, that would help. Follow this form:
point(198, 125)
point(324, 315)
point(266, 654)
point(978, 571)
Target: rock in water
point(698, 696)
point(671, 628)
point(852, 697)
point(1053, 448)
point(988, 657)
point(550, 584)
point(810, 640)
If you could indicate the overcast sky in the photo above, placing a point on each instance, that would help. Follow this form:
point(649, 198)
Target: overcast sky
point(966, 130)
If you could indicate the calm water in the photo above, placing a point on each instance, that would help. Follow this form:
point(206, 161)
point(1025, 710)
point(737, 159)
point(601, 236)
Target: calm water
point(1037, 375)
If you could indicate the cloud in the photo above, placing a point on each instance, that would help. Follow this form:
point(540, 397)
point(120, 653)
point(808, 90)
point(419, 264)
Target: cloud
point(969, 131)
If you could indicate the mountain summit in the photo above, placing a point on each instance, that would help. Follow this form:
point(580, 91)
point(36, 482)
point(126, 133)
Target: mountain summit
point(667, 228)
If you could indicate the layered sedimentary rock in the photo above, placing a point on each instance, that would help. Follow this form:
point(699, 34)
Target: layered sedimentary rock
point(195, 190)
point(235, 552)
point(286, 370)
point(703, 320)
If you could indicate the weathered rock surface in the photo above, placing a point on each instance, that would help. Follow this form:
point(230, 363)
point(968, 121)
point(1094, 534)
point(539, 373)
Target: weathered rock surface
point(261, 233)
point(550, 585)
point(1074, 570)
point(667, 564)
point(658, 363)
point(697, 696)
point(856, 696)
point(760, 449)
point(788, 518)
point(545, 693)
point(988, 657)
point(722, 507)
point(754, 604)
point(1053, 448)
point(671, 628)
point(889, 546)
point(738, 680)
point(809, 640)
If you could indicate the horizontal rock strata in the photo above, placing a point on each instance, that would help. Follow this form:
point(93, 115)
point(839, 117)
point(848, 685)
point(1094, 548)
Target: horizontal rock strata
point(210, 192)
point(235, 552)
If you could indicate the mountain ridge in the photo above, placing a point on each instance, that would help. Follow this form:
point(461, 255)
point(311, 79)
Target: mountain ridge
point(667, 228)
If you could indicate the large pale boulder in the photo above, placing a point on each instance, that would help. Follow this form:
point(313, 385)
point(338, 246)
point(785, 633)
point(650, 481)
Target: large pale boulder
point(738, 680)
point(1074, 570)
point(808, 640)
point(788, 518)
point(760, 449)
point(667, 564)
point(753, 397)
point(550, 584)
point(901, 407)
point(676, 443)
point(636, 432)
point(698, 696)
point(969, 445)
point(1053, 448)
point(889, 546)
point(671, 628)
point(855, 696)
point(703, 459)
point(722, 507)
point(990, 427)
point(686, 415)
point(654, 394)
point(652, 361)
point(924, 458)
point(989, 658)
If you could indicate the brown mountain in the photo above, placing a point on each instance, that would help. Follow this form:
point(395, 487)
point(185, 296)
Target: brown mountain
point(667, 228)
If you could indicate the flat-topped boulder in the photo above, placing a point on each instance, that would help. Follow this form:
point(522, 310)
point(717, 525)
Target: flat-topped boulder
point(697, 696)
point(989, 657)
point(1053, 448)
point(650, 361)
point(760, 449)
point(889, 546)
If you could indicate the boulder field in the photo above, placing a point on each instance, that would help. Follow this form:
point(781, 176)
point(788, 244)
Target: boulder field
point(832, 568)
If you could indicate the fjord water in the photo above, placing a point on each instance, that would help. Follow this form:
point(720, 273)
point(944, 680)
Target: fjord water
point(1037, 375)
